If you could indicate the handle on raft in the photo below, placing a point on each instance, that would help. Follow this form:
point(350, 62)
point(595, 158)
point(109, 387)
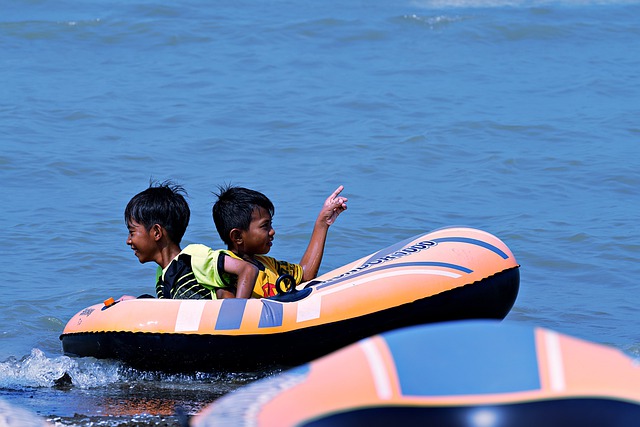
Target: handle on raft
point(281, 281)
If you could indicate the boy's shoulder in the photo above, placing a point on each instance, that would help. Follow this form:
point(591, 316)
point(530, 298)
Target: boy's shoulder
point(272, 262)
point(198, 250)
point(282, 267)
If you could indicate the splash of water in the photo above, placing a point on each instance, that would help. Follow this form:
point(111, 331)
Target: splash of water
point(38, 370)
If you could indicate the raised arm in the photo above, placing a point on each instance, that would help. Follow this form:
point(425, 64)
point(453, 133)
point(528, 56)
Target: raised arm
point(333, 206)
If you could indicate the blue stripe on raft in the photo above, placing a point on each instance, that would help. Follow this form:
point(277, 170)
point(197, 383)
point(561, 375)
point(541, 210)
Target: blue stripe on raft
point(331, 282)
point(231, 312)
point(271, 314)
point(473, 242)
point(465, 358)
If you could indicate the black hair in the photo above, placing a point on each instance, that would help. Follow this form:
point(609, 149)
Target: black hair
point(234, 208)
point(164, 204)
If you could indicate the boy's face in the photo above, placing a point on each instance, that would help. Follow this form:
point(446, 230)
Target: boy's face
point(257, 239)
point(141, 241)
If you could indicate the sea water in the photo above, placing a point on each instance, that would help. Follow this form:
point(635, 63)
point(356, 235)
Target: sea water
point(517, 117)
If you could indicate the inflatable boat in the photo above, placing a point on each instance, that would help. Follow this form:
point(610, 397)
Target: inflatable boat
point(451, 273)
point(460, 374)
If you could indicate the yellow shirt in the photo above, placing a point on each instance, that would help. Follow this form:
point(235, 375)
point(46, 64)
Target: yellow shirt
point(270, 270)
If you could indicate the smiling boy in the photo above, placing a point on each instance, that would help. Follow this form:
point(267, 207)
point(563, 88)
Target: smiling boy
point(243, 219)
point(157, 219)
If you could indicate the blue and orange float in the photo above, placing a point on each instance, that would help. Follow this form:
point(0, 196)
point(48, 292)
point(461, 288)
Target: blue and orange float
point(451, 273)
point(474, 373)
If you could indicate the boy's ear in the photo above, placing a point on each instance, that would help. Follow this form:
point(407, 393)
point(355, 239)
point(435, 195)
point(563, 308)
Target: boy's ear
point(156, 231)
point(236, 235)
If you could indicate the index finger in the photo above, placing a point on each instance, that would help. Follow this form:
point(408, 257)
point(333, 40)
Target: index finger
point(338, 191)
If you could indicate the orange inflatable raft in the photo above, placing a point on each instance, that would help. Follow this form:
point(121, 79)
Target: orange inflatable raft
point(459, 374)
point(452, 273)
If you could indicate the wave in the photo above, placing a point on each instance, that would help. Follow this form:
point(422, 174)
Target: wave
point(39, 371)
point(441, 4)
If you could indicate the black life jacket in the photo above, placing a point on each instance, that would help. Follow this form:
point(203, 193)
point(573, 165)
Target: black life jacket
point(180, 282)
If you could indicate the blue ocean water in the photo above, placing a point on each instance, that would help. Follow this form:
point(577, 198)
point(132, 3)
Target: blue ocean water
point(516, 117)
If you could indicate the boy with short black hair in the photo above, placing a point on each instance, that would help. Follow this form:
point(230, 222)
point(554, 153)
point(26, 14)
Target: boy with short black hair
point(157, 219)
point(243, 219)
